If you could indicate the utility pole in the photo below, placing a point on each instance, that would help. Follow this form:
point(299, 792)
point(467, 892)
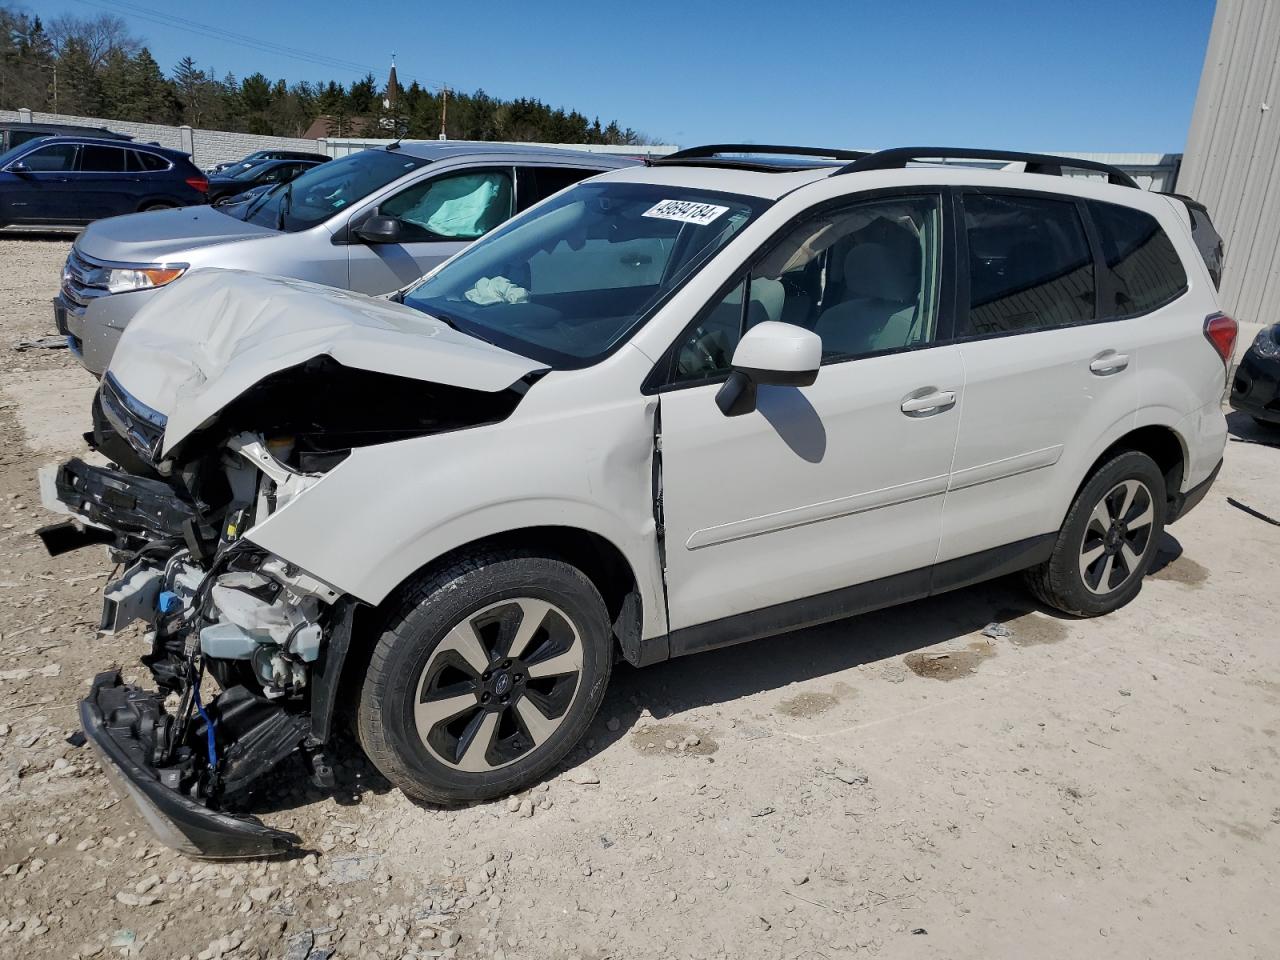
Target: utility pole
point(55, 86)
point(444, 113)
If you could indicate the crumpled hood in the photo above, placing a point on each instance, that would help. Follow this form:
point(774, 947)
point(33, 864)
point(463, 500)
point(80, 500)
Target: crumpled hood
point(163, 236)
point(210, 336)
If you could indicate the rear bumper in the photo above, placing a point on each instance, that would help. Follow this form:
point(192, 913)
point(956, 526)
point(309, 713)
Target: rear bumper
point(1255, 388)
point(115, 718)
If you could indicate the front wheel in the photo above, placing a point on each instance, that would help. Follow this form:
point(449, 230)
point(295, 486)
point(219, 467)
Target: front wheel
point(1108, 540)
point(486, 675)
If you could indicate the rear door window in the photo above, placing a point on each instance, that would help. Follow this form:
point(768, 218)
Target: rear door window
point(1145, 271)
point(1030, 265)
point(538, 183)
point(102, 160)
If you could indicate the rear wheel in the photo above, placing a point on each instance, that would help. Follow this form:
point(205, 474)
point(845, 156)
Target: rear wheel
point(487, 674)
point(1108, 540)
point(158, 205)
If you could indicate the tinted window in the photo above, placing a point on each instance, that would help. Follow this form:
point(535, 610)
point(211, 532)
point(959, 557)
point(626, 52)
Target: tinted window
point(538, 183)
point(864, 278)
point(1030, 266)
point(1145, 270)
point(140, 160)
point(459, 207)
point(566, 283)
point(53, 159)
point(1207, 241)
point(326, 189)
point(101, 160)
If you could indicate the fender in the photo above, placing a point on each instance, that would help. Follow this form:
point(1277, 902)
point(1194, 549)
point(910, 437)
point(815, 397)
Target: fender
point(389, 510)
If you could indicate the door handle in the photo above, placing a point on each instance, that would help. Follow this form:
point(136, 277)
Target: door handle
point(916, 404)
point(1108, 362)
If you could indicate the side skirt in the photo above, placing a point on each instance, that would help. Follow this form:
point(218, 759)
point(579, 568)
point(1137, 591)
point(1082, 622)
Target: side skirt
point(862, 597)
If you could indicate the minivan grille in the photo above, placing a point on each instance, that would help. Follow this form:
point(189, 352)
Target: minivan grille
point(83, 278)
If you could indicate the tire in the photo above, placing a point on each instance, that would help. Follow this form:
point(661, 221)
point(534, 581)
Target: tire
point(158, 205)
point(453, 654)
point(1103, 550)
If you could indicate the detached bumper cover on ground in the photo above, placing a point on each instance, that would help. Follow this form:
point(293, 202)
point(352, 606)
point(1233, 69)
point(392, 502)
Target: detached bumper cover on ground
point(116, 718)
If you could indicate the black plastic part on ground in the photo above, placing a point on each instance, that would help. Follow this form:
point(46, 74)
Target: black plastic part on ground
point(116, 719)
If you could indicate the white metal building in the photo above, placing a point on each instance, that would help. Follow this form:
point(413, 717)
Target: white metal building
point(1232, 161)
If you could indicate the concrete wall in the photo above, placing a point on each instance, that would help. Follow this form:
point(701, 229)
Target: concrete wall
point(1232, 162)
point(206, 147)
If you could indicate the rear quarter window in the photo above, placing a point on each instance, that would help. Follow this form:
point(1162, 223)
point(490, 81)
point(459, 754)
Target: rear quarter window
point(1145, 270)
point(147, 162)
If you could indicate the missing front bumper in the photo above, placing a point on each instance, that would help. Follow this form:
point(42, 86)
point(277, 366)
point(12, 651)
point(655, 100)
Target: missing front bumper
point(116, 719)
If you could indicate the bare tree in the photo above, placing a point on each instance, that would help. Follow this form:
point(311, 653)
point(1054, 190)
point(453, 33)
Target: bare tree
point(101, 36)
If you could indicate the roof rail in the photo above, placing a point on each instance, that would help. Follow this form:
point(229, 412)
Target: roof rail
point(713, 155)
point(1045, 163)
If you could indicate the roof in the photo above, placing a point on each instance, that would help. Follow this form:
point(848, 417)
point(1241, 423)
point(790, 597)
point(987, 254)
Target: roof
point(771, 172)
point(104, 142)
point(774, 186)
point(450, 149)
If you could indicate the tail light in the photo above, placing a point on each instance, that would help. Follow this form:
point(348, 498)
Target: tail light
point(198, 183)
point(1220, 330)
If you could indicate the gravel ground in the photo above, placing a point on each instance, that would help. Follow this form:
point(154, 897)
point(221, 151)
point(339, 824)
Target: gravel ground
point(895, 785)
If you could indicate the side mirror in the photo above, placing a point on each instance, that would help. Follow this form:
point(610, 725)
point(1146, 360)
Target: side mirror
point(770, 354)
point(19, 167)
point(381, 229)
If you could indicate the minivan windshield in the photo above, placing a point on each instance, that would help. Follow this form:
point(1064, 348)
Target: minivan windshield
point(568, 282)
point(324, 190)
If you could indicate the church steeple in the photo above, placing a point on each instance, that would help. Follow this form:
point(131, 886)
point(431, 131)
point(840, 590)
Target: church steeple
point(393, 87)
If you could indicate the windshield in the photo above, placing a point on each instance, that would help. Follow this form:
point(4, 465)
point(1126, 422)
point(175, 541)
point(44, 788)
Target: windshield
point(326, 189)
point(249, 172)
point(570, 281)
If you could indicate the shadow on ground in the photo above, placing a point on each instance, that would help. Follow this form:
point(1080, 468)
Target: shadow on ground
point(670, 689)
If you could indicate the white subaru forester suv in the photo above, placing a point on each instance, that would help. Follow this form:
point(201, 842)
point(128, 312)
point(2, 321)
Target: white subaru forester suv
point(735, 392)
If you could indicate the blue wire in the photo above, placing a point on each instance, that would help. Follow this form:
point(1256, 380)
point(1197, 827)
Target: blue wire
point(208, 727)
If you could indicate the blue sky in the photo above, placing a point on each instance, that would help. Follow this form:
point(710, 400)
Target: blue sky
point(1066, 75)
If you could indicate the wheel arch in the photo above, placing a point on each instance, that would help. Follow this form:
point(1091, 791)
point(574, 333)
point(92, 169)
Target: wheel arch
point(598, 557)
point(1161, 443)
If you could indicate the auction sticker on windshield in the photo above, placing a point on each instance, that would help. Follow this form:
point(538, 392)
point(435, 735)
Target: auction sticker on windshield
point(685, 211)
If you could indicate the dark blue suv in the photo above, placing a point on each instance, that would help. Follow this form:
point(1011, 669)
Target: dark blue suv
point(70, 181)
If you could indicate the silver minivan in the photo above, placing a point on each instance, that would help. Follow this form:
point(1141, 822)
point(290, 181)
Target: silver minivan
point(373, 222)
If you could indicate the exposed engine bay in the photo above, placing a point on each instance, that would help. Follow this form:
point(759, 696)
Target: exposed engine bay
point(245, 648)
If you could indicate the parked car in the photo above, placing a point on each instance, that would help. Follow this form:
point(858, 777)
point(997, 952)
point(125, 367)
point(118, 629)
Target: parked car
point(261, 173)
point(671, 408)
point(1255, 388)
point(15, 134)
point(259, 155)
point(374, 221)
point(66, 182)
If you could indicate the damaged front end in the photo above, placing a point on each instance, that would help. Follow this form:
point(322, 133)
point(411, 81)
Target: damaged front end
point(245, 647)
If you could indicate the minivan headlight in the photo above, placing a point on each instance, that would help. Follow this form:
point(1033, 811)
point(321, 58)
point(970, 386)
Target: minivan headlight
point(124, 279)
point(1266, 343)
